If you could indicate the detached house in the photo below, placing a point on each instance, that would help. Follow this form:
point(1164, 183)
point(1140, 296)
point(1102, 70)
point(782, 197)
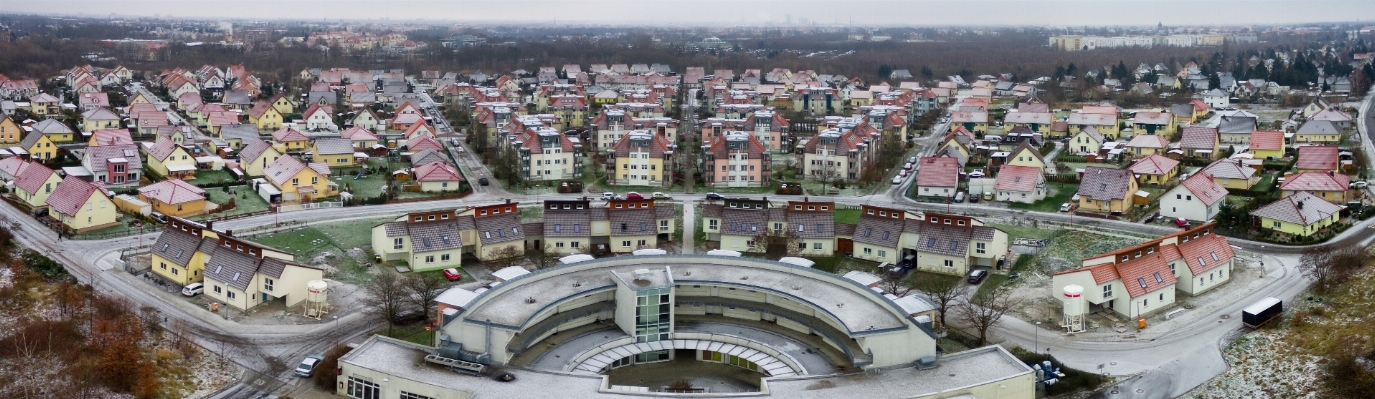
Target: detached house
point(361, 138)
point(1143, 279)
point(320, 118)
point(289, 140)
point(1155, 169)
point(1086, 142)
point(81, 206)
point(938, 176)
point(10, 132)
point(1236, 129)
point(174, 197)
point(99, 118)
point(256, 155)
point(1338, 117)
point(1147, 144)
point(300, 182)
point(1329, 186)
point(265, 116)
point(114, 165)
point(55, 131)
point(367, 120)
point(168, 159)
point(1267, 144)
point(1025, 184)
point(1154, 123)
point(1317, 132)
point(1299, 214)
point(332, 151)
point(33, 183)
point(1231, 173)
point(1107, 190)
point(1199, 143)
point(438, 176)
point(1318, 158)
point(1197, 198)
point(39, 147)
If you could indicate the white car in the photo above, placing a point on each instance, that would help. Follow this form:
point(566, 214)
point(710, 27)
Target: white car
point(193, 289)
point(976, 173)
point(1064, 207)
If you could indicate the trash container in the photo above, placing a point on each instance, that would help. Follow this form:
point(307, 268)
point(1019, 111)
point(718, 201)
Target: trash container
point(214, 306)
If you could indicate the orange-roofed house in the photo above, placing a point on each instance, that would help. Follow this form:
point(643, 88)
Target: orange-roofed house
point(1330, 186)
point(1266, 144)
point(1143, 279)
point(81, 206)
point(289, 140)
point(265, 116)
point(174, 197)
point(1318, 158)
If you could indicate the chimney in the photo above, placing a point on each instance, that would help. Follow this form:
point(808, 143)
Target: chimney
point(1331, 173)
point(1299, 204)
point(210, 225)
point(508, 200)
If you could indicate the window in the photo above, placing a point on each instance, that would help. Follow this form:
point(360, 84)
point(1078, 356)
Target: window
point(816, 245)
point(625, 243)
point(573, 244)
point(217, 289)
point(408, 395)
point(1158, 279)
point(556, 245)
point(397, 243)
point(359, 388)
point(444, 257)
point(1142, 281)
point(231, 294)
point(868, 251)
point(164, 265)
point(949, 263)
point(267, 284)
point(1107, 291)
point(174, 271)
point(429, 258)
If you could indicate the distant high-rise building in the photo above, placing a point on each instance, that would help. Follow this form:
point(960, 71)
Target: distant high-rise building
point(255, 35)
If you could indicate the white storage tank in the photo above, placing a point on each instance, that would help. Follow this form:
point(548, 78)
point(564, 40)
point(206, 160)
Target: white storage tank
point(317, 298)
point(1073, 298)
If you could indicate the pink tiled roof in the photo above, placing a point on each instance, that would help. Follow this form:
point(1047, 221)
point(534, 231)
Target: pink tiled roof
point(1017, 178)
point(1148, 141)
point(1267, 140)
point(1154, 165)
point(172, 192)
point(1206, 252)
point(1203, 138)
point(287, 134)
point(1334, 115)
point(423, 142)
point(1143, 271)
point(1317, 157)
point(1205, 188)
point(1102, 273)
point(358, 134)
point(71, 194)
point(938, 172)
point(111, 136)
point(1316, 181)
point(162, 148)
point(437, 171)
point(1154, 118)
point(31, 177)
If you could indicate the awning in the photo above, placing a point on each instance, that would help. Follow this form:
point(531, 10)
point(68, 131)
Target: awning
point(181, 167)
point(305, 190)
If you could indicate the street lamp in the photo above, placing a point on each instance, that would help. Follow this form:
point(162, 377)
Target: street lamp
point(1037, 348)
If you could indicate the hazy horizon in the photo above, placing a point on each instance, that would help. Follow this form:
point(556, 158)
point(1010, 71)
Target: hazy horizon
point(740, 12)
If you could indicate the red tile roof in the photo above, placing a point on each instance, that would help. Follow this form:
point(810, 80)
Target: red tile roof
point(1154, 165)
point(1202, 138)
point(1267, 140)
point(437, 171)
point(423, 142)
point(1206, 252)
point(1205, 188)
point(172, 192)
point(71, 194)
point(1148, 141)
point(1140, 274)
point(1102, 273)
point(1017, 178)
point(938, 172)
point(31, 177)
point(287, 134)
point(1316, 181)
point(1317, 157)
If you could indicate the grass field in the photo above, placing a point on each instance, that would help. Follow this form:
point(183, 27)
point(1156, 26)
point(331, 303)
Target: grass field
point(330, 242)
point(850, 216)
point(1059, 194)
point(1068, 248)
point(245, 200)
point(1015, 232)
point(205, 177)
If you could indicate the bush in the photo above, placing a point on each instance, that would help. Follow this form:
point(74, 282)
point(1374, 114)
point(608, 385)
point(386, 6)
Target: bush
point(328, 370)
point(1074, 380)
point(46, 267)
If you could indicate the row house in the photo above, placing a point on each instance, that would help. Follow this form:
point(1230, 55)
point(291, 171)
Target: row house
point(435, 240)
point(1038, 119)
point(736, 159)
point(801, 228)
point(235, 272)
point(938, 243)
point(767, 127)
point(621, 226)
point(891, 120)
point(1144, 279)
point(641, 158)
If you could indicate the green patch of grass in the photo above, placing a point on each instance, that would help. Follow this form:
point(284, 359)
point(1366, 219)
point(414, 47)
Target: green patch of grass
point(1067, 249)
point(207, 177)
point(827, 264)
point(991, 283)
point(336, 238)
point(414, 333)
point(850, 216)
point(1266, 183)
point(531, 213)
point(122, 228)
point(245, 200)
point(1059, 194)
point(1015, 232)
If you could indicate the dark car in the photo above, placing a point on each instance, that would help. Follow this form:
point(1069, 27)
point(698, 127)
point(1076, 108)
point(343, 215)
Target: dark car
point(482, 181)
point(714, 197)
point(977, 276)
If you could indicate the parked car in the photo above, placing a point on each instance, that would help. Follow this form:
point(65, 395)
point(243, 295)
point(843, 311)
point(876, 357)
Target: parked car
point(908, 166)
point(482, 181)
point(659, 195)
point(977, 276)
point(452, 274)
point(714, 197)
point(976, 173)
point(903, 174)
point(158, 216)
point(912, 160)
point(1064, 207)
point(193, 289)
point(897, 179)
point(633, 195)
point(1181, 222)
point(973, 198)
point(988, 196)
point(308, 365)
point(959, 197)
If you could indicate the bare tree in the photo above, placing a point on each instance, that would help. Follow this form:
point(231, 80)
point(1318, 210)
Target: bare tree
point(327, 371)
point(542, 257)
point(896, 284)
point(422, 289)
point(387, 298)
point(505, 257)
point(944, 291)
point(779, 243)
point(983, 310)
point(1330, 267)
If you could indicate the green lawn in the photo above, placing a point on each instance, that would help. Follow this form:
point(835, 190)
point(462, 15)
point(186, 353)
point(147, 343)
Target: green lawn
point(122, 228)
point(335, 238)
point(245, 201)
point(1059, 194)
point(993, 281)
point(1015, 232)
point(531, 213)
point(207, 177)
point(1266, 183)
point(414, 333)
point(850, 216)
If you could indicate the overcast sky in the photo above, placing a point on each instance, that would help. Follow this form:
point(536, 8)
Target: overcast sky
point(754, 12)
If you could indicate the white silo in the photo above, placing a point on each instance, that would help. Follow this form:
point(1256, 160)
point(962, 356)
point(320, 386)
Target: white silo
point(317, 298)
point(1073, 298)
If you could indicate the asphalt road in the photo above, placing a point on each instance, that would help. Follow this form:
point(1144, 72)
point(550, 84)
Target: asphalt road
point(1167, 366)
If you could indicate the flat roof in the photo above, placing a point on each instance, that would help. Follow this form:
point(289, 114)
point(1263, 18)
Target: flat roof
point(952, 373)
point(857, 308)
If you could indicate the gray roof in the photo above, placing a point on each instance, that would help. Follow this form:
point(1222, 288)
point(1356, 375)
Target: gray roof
point(333, 146)
point(237, 97)
point(99, 155)
point(1105, 183)
point(744, 222)
point(1182, 109)
point(944, 239)
point(498, 229)
point(1318, 127)
point(232, 268)
point(1236, 124)
point(241, 131)
point(52, 126)
point(176, 246)
point(814, 224)
point(632, 222)
point(879, 231)
point(396, 229)
point(576, 223)
point(434, 236)
point(330, 97)
point(426, 156)
point(252, 149)
point(1301, 208)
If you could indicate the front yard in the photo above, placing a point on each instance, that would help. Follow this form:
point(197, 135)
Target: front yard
point(343, 248)
point(245, 201)
point(1059, 193)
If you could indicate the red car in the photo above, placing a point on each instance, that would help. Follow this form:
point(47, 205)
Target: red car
point(452, 274)
point(633, 195)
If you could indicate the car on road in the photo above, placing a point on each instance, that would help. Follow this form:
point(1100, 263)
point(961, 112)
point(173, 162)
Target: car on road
point(308, 365)
point(714, 197)
point(659, 195)
point(912, 160)
point(633, 195)
point(193, 289)
point(976, 173)
point(452, 274)
point(1064, 207)
point(959, 197)
point(483, 181)
point(897, 179)
point(977, 276)
point(608, 195)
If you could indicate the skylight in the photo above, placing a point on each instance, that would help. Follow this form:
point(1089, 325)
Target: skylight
point(1158, 279)
point(1201, 262)
point(1142, 281)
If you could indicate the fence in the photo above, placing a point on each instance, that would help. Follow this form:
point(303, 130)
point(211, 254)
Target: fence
point(147, 228)
point(307, 206)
